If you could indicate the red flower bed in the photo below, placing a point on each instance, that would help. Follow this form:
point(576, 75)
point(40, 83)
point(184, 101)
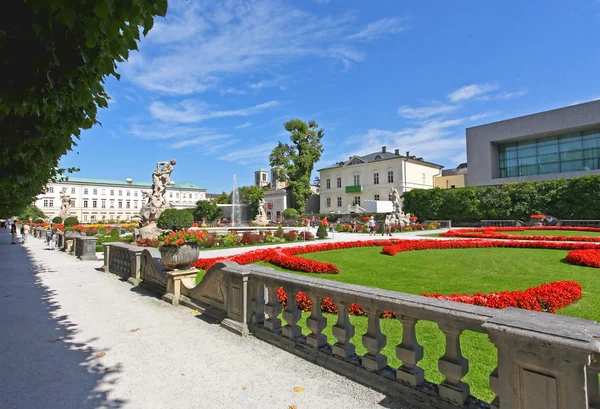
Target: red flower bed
point(537, 217)
point(493, 233)
point(546, 297)
point(589, 257)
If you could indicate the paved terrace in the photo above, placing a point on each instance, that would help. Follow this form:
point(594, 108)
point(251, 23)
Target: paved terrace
point(75, 337)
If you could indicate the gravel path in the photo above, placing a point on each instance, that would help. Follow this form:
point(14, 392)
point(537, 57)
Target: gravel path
point(74, 337)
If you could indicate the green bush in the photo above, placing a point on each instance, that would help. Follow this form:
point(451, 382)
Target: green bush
point(71, 221)
point(115, 234)
point(57, 219)
point(290, 213)
point(322, 231)
point(564, 199)
point(38, 221)
point(174, 219)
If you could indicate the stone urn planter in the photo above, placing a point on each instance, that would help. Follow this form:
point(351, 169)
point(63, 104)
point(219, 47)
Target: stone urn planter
point(536, 220)
point(179, 256)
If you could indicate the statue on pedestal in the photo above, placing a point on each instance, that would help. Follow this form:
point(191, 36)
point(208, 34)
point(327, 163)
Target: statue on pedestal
point(398, 215)
point(157, 200)
point(65, 204)
point(261, 216)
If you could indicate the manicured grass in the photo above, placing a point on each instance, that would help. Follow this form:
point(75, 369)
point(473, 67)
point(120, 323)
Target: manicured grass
point(448, 272)
point(552, 233)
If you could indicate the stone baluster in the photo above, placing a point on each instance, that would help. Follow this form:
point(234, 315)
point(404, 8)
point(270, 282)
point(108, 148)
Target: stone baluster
point(454, 366)
point(592, 382)
point(409, 352)
point(258, 303)
point(343, 331)
point(273, 309)
point(374, 341)
point(316, 323)
point(291, 315)
point(495, 387)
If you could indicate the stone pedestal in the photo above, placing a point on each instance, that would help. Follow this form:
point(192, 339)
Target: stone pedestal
point(150, 232)
point(85, 248)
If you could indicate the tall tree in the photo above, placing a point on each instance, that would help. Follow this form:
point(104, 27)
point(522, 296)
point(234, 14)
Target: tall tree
point(223, 198)
point(251, 195)
point(56, 55)
point(296, 160)
point(208, 210)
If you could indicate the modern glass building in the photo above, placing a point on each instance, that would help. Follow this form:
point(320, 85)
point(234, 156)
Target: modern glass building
point(562, 143)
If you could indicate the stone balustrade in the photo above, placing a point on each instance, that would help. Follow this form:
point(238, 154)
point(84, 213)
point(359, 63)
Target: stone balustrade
point(85, 247)
point(545, 361)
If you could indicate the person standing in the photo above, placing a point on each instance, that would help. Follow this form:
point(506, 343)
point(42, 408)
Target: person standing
point(13, 232)
point(372, 226)
point(25, 233)
point(387, 226)
point(53, 237)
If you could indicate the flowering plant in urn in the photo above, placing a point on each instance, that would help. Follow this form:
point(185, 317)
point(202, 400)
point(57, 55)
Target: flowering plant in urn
point(180, 248)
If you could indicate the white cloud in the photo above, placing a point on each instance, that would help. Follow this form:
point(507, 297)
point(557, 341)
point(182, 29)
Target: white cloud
point(379, 28)
point(425, 112)
point(276, 82)
point(204, 140)
point(231, 90)
point(470, 91)
point(198, 47)
point(245, 125)
point(158, 131)
point(483, 115)
point(189, 111)
point(246, 155)
point(503, 95)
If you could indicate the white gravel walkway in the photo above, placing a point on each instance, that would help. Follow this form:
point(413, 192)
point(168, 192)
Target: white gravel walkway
point(74, 337)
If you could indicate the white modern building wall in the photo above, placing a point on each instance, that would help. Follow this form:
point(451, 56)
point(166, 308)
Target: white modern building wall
point(371, 177)
point(99, 199)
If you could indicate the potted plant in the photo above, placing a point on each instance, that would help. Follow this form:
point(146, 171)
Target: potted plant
point(537, 219)
point(413, 219)
point(180, 248)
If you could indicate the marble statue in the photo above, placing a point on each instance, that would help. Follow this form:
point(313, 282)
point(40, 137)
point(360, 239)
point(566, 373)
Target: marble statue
point(65, 204)
point(399, 217)
point(261, 216)
point(156, 200)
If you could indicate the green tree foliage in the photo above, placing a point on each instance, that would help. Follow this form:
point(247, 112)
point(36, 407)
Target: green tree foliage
point(565, 199)
point(251, 195)
point(208, 210)
point(30, 211)
point(296, 160)
point(223, 198)
point(56, 55)
point(175, 219)
point(71, 221)
point(290, 213)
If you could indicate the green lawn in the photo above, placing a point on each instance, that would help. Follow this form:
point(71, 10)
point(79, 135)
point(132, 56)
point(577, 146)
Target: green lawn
point(448, 272)
point(553, 233)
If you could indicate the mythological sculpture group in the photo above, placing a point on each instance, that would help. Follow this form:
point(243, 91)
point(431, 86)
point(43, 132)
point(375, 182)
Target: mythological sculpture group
point(157, 200)
point(65, 203)
point(261, 216)
point(398, 216)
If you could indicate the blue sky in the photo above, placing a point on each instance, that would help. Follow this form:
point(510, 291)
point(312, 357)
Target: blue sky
point(214, 81)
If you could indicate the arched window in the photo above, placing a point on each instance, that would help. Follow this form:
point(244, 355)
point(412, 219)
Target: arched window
point(377, 157)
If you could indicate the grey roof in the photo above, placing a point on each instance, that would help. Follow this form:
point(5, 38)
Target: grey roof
point(182, 185)
point(380, 156)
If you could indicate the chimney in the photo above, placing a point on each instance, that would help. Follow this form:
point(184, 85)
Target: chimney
point(397, 151)
point(383, 149)
point(350, 158)
point(407, 154)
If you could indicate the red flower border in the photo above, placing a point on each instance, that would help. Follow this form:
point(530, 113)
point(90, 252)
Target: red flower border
point(492, 233)
point(589, 257)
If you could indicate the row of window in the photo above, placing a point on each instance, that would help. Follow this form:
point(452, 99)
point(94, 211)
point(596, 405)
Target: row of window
point(577, 151)
point(356, 179)
point(127, 193)
point(86, 203)
point(355, 200)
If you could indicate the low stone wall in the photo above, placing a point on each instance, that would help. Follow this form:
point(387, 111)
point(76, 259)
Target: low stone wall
point(544, 361)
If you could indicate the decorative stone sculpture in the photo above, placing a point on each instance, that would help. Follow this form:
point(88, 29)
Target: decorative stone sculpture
point(65, 205)
point(261, 216)
point(398, 216)
point(157, 200)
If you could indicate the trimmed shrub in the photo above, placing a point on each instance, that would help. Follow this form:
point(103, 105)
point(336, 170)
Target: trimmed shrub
point(279, 232)
point(306, 235)
point(322, 231)
point(71, 221)
point(290, 213)
point(115, 234)
point(38, 221)
point(57, 219)
point(175, 219)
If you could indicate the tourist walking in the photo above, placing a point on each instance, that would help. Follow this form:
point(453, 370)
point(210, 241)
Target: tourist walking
point(353, 225)
point(372, 226)
point(13, 232)
point(25, 233)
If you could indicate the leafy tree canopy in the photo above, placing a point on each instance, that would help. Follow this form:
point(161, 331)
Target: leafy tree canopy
point(223, 198)
point(56, 55)
point(297, 159)
point(33, 212)
point(208, 210)
point(251, 195)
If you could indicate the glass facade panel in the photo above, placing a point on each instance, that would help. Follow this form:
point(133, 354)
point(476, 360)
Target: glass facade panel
point(571, 152)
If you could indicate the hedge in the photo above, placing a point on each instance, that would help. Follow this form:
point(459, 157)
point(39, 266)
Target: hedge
point(577, 198)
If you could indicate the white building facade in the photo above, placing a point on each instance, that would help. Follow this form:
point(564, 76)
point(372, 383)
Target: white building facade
point(95, 200)
point(346, 185)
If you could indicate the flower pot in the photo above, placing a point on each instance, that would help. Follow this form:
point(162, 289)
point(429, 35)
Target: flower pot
point(179, 256)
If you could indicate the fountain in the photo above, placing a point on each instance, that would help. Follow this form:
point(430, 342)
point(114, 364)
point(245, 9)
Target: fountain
point(236, 212)
point(235, 202)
